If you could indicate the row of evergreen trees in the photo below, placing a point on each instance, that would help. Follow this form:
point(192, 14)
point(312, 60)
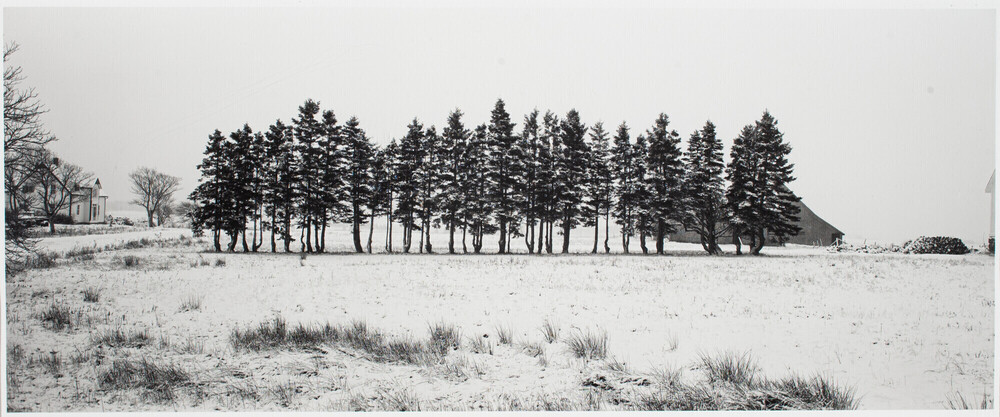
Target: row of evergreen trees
point(554, 172)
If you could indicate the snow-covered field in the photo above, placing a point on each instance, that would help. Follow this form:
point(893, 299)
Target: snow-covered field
point(906, 331)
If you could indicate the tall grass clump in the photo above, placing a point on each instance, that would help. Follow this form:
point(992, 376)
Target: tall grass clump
point(444, 337)
point(159, 380)
point(481, 345)
point(357, 335)
point(550, 331)
point(590, 345)
point(958, 402)
point(58, 316)
point(91, 295)
point(42, 260)
point(190, 303)
point(739, 369)
point(121, 338)
point(504, 335)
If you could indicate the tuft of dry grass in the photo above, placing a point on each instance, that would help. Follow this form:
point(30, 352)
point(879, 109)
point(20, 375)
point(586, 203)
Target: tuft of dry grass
point(504, 335)
point(958, 402)
point(533, 349)
point(191, 303)
point(119, 338)
point(444, 337)
point(613, 364)
point(58, 316)
point(220, 262)
point(589, 345)
point(157, 380)
point(91, 295)
point(481, 344)
point(550, 331)
point(739, 369)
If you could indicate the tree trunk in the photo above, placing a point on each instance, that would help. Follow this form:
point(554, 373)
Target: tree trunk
point(371, 230)
point(607, 228)
point(233, 239)
point(274, 246)
point(759, 244)
point(149, 214)
point(356, 228)
point(52, 226)
point(321, 235)
point(548, 243)
point(503, 236)
point(566, 229)
point(737, 241)
point(597, 232)
point(451, 235)
point(246, 248)
point(660, 226)
point(216, 237)
point(642, 241)
point(253, 244)
point(529, 235)
point(308, 232)
point(427, 231)
point(465, 226)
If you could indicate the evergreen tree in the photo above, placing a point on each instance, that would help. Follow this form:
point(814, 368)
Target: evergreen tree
point(529, 147)
point(388, 161)
point(740, 174)
point(504, 170)
point(217, 194)
point(642, 192)
point(410, 158)
point(244, 156)
point(599, 183)
point(455, 138)
point(623, 161)
point(333, 173)
point(571, 174)
point(478, 201)
point(664, 175)
point(279, 183)
point(311, 205)
point(427, 179)
point(359, 152)
point(703, 188)
point(547, 198)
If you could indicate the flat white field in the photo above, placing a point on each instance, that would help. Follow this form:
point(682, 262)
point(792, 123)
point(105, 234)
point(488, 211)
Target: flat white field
point(906, 331)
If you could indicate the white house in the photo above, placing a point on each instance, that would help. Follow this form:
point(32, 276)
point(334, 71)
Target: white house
point(991, 188)
point(87, 205)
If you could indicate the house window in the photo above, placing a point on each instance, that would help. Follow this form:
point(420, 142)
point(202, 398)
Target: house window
point(93, 211)
point(77, 209)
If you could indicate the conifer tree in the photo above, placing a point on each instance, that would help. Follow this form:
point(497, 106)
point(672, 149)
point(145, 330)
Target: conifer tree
point(388, 186)
point(333, 176)
point(279, 195)
point(454, 139)
point(623, 163)
point(548, 152)
point(571, 174)
point(643, 195)
point(410, 158)
point(359, 153)
point(529, 147)
point(664, 174)
point(703, 188)
point(504, 169)
point(740, 174)
point(599, 183)
point(308, 131)
point(427, 179)
point(212, 202)
point(478, 201)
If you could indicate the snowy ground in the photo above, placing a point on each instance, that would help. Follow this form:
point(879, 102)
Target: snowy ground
point(906, 331)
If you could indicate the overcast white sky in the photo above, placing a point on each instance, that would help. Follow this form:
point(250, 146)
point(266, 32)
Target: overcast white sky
point(890, 113)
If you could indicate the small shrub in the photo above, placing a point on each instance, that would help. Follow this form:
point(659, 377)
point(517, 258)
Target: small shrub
point(58, 316)
point(730, 367)
point(91, 295)
point(131, 261)
point(550, 331)
point(504, 335)
point(284, 393)
point(444, 337)
point(220, 262)
point(42, 260)
point(120, 338)
point(588, 345)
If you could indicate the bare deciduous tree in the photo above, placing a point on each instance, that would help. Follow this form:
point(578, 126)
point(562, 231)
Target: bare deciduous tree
point(152, 189)
point(56, 181)
point(24, 136)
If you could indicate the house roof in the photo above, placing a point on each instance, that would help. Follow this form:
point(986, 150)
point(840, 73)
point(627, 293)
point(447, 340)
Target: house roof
point(990, 185)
